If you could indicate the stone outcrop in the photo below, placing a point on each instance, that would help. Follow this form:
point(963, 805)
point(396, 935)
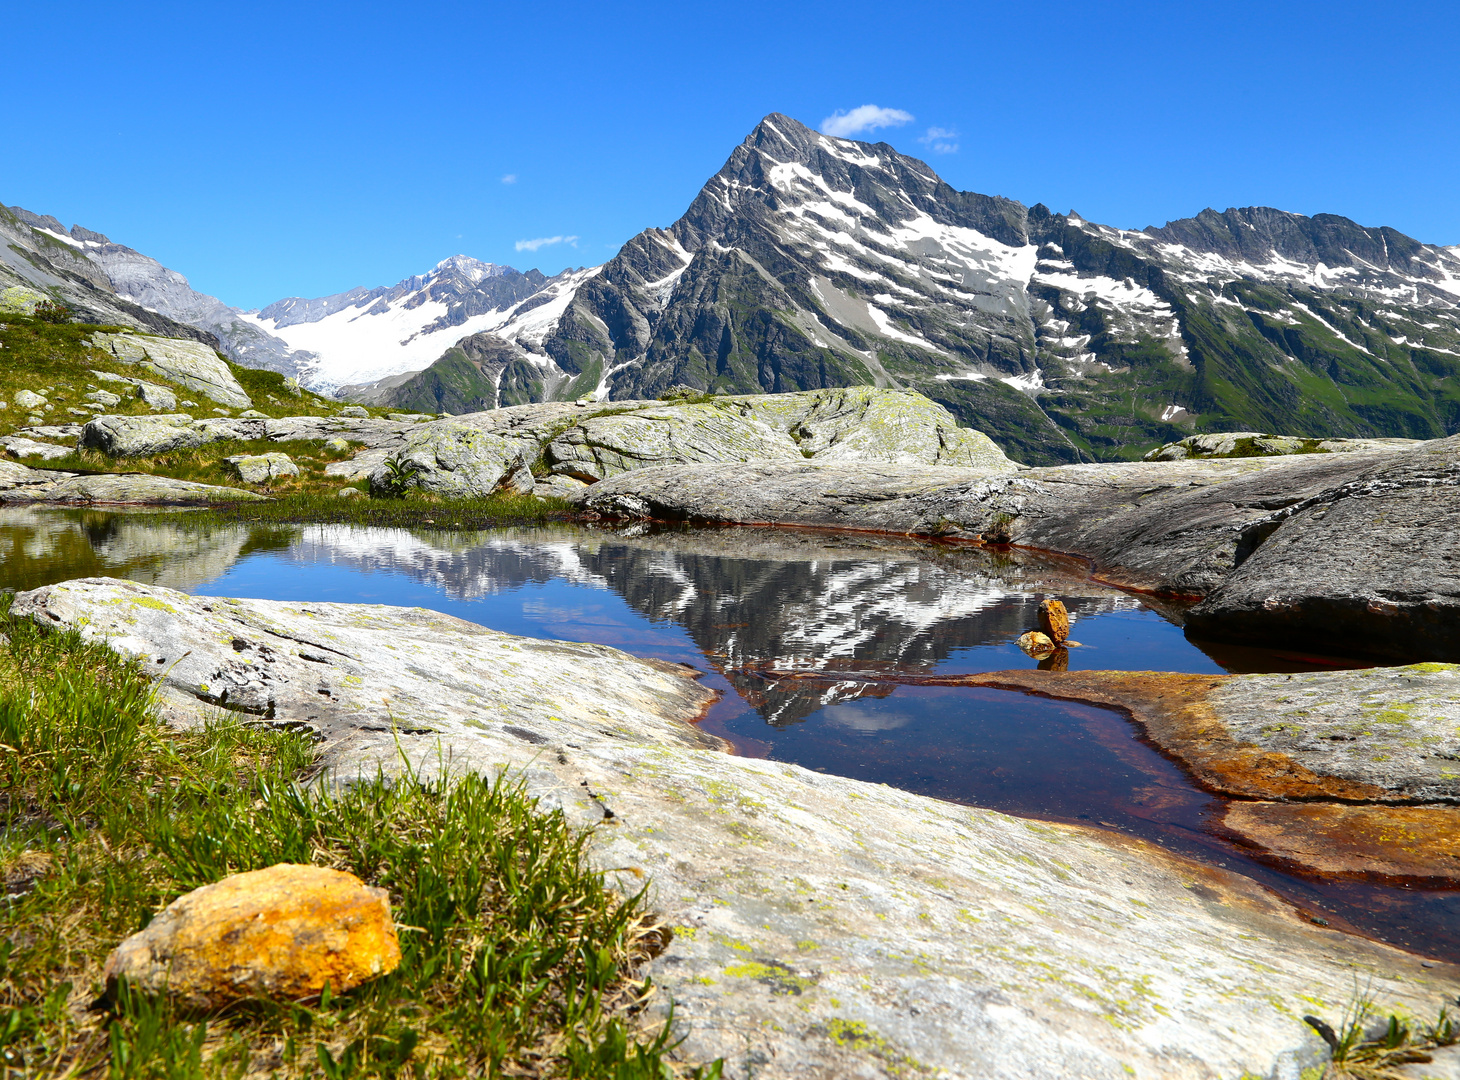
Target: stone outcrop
point(281, 933)
point(142, 436)
point(1369, 561)
point(261, 468)
point(1345, 552)
point(456, 460)
point(861, 423)
point(822, 926)
point(590, 441)
point(20, 484)
point(188, 363)
point(607, 445)
point(1239, 444)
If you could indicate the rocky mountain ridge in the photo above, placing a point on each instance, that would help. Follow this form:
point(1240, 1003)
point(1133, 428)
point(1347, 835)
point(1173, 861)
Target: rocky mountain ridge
point(809, 261)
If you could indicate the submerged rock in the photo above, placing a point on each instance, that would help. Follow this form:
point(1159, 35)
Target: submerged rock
point(822, 927)
point(280, 933)
point(1419, 843)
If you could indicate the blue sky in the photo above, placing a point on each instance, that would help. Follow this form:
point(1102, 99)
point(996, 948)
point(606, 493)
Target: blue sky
point(268, 150)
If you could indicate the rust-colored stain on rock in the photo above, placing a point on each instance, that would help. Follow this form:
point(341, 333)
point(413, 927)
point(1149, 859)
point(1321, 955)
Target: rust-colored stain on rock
point(280, 933)
point(1419, 843)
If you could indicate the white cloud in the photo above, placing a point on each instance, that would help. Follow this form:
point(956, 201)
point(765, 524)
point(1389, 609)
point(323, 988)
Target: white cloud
point(940, 140)
point(546, 241)
point(510, 178)
point(863, 118)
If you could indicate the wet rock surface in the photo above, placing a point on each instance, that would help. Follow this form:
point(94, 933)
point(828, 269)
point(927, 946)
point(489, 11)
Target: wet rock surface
point(823, 927)
point(1415, 843)
point(280, 933)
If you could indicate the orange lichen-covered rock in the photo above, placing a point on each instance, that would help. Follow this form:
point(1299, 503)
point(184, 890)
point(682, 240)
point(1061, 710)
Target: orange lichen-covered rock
point(1054, 620)
point(1036, 644)
point(279, 933)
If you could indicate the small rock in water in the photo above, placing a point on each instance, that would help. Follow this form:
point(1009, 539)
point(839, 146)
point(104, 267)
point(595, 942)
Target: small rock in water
point(1036, 644)
point(1054, 620)
point(280, 933)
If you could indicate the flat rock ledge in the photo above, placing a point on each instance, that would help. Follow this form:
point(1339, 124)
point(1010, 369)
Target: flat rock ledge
point(823, 927)
point(1350, 552)
point(22, 484)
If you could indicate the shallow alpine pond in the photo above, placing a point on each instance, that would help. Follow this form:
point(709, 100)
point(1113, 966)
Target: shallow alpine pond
point(742, 605)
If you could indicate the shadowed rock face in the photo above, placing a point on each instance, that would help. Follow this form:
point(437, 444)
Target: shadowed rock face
point(823, 927)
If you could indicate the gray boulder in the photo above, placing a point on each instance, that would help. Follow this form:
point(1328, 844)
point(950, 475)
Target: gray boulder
point(140, 436)
point(157, 398)
point(605, 445)
point(20, 447)
point(103, 398)
point(29, 399)
point(261, 468)
point(187, 363)
point(360, 466)
point(456, 460)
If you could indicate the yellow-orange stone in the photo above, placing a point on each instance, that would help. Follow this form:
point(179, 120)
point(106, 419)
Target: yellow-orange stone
point(1054, 620)
point(279, 933)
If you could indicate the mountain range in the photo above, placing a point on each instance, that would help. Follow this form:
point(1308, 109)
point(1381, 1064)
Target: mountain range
point(810, 261)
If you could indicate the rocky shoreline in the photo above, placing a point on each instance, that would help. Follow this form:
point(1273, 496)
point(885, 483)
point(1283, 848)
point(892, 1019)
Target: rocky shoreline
point(822, 926)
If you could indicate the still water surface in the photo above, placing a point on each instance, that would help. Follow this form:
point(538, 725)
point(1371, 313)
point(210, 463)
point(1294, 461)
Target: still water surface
point(739, 604)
